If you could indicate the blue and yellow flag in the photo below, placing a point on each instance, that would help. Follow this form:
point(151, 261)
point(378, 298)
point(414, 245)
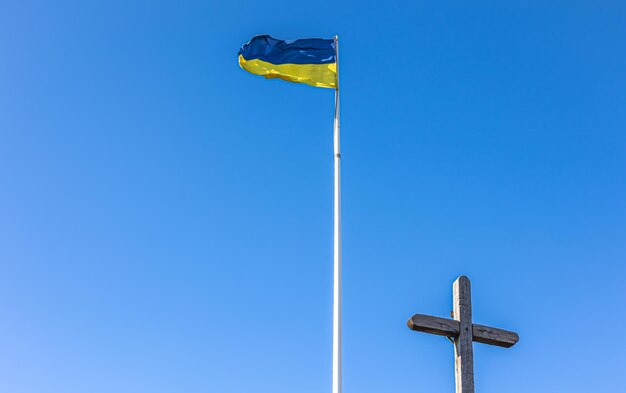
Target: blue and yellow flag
point(312, 61)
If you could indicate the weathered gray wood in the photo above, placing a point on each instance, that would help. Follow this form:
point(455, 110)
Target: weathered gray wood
point(493, 336)
point(434, 325)
point(463, 350)
point(464, 333)
point(450, 328)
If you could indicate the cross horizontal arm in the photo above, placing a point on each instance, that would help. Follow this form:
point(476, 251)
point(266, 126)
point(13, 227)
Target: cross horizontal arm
point(434, 325)
point(493, 336)
point(450, 328)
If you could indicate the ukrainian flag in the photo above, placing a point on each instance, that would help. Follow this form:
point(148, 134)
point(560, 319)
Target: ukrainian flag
point(312, 61)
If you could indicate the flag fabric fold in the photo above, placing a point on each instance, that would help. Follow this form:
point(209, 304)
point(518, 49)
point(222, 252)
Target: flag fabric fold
point(311, 61)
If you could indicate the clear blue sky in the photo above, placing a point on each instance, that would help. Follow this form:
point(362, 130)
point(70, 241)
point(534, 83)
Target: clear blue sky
point(166, 218)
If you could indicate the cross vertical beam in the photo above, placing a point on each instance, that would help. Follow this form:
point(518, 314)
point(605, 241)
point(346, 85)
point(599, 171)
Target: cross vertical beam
point(463, 350)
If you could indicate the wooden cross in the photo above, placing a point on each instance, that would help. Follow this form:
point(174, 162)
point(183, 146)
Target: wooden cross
point(462, 332)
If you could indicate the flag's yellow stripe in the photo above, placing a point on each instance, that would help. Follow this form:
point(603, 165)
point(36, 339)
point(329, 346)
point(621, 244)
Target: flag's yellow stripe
point(319, 75)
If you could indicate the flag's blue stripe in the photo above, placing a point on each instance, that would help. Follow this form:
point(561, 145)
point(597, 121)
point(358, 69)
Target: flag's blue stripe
point(305, 51)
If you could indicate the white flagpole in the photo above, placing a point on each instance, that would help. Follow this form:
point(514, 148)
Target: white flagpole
point(337, 242)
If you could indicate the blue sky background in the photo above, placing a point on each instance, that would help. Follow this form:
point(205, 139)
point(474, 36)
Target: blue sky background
point(166, 218)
